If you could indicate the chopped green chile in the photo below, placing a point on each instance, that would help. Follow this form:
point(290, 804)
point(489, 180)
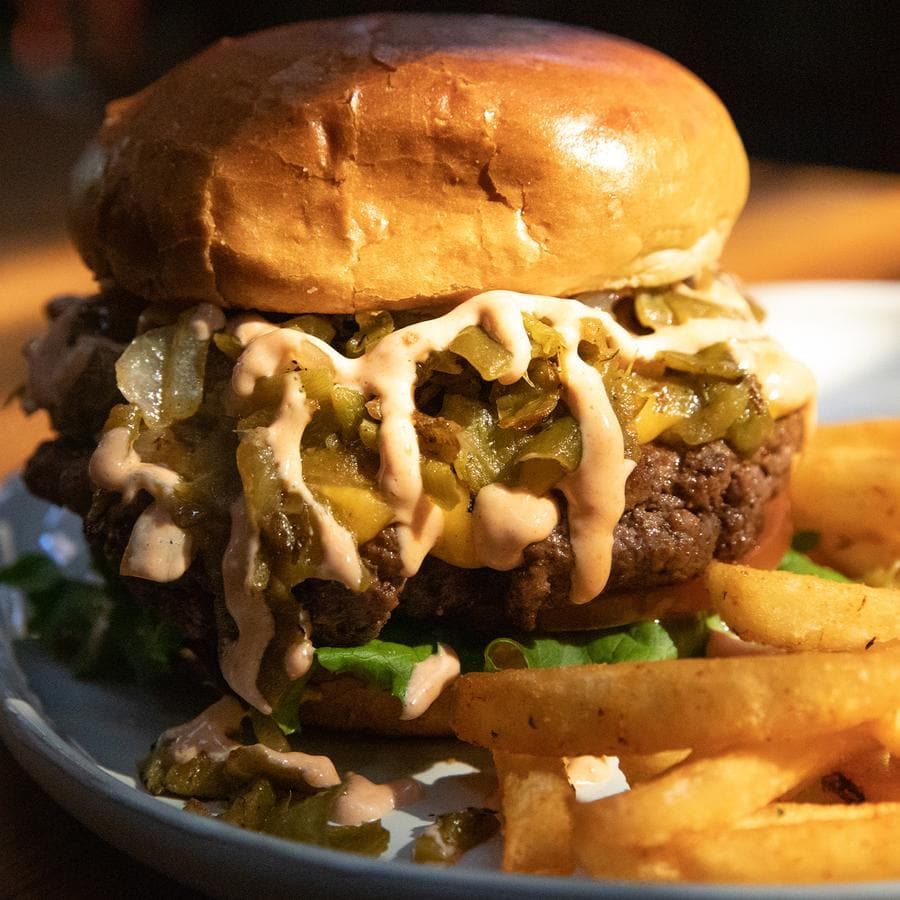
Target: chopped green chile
point(594, 347)
point(546, 341)
point(488, 357)
point(368, 435)
point(123, 415)
point(259, 475)
point(373, 326)
point(266, 731)
point(652, 310)
point(524, 405)
point(530, 400)
point(349, 409)
point(317, 326)
point(722, 404)
point(336, 464)
point(440, 483)
point(560, 442)
point(228, 344)
point(198, 777)
point(317, 384)
point(686, 308)
point(715, 361)
point(453, 833)
point(675, 399)
point(302, 819)
point(161, 371)
point(485, 450)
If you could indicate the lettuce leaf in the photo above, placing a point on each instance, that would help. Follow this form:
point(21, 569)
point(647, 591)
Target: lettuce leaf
point(801, 564)
point(385, 664)
point(94, 628)
point(643, 641)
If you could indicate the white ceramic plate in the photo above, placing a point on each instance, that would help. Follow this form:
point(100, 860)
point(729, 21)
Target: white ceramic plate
point(81, 741)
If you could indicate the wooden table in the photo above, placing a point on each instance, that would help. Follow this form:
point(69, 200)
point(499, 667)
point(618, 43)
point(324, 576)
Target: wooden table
point(801, 223)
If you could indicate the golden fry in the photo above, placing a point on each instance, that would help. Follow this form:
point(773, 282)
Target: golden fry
point(638, 767)
point(713, 791)
point(707, 704)
point(799, 612)
point(876, 773)
point(611, 858)
point(536, 802)
point(846, 486)
point(823, 843)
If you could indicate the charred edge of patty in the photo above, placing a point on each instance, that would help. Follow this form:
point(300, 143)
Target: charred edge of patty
point(683, 509)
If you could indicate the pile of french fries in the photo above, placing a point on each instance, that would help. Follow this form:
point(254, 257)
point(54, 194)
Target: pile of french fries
point(778, 765)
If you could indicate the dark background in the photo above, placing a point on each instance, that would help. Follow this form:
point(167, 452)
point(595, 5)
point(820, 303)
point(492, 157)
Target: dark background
point(805, 82)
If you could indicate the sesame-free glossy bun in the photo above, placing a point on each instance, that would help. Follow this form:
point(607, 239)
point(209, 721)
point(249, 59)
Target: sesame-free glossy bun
point(392, 161)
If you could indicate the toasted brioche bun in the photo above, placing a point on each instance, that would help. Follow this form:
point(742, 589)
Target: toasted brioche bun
point(396, 161)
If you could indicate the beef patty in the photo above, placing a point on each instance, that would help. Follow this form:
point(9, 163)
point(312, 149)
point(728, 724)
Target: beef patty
point(684, 507)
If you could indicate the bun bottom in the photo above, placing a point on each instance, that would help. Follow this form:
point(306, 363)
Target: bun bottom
point(344, 703)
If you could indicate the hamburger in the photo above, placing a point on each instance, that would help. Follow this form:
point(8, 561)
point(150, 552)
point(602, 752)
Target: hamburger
point(410, 329)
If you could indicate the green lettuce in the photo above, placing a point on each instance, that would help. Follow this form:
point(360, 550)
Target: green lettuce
point(643, 641)
point(801, 564)
point(388, 664)
point(385, 664)
point(95, 628)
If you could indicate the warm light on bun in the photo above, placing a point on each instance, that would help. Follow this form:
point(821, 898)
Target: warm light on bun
point(400, 161)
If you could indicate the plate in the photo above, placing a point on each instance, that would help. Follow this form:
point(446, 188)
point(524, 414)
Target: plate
point(81, 740)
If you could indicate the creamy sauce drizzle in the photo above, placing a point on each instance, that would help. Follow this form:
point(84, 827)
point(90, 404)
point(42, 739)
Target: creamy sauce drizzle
point(506, 521)
point(362, 801)
point(240, 658)
point(595, 491)
point(428, 680)
point(208, 734)
point(287, 767)
point(158, 549)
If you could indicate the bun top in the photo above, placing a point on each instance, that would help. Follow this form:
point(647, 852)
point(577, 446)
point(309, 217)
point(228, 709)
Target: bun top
point(392, 161)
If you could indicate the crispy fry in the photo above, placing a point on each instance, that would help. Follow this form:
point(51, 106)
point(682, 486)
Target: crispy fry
point(638, 767)
point(846, 486)
point(800, 612)
point(536, 802)
point(888, 732)
point(876, 773)
point(707, 704)
point(820, 843)
point(612, 858)
point(713, 791)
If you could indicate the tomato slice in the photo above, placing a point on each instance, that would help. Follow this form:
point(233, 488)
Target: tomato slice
point(778, 529)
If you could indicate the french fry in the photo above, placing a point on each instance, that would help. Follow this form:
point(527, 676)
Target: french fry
point(799, 612)
point(612, 858)
point(707, 704)
point(846, 486)
point(830, 843)
point(888, 732)
point(876, 773)
point(713, 791)
point(536, 802)
point(638, 767)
